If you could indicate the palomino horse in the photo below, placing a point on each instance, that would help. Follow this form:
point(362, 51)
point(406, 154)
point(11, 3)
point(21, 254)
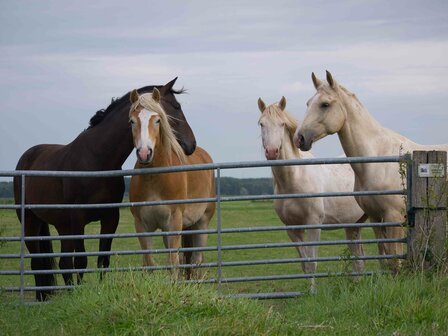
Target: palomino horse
point(277, 130)
point(156, 147)
point(105, 145)
point(334, 109)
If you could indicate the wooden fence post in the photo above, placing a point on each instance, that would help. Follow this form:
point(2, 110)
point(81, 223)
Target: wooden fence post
point(427, 247)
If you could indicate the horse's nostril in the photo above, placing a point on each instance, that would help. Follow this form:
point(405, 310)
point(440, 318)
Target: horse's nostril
point(300, 140)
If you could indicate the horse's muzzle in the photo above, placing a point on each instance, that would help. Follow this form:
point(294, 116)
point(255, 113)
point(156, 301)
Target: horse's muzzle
point(271, 153)
point(302, 143)
point(144, 155)
point(188, 148)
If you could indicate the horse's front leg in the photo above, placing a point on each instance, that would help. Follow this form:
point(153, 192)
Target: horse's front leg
point(355, 249)
point(174, 242)
point(298, 236)
point(145, 242)
point(311, 267)
point(393, 248)
point(198, 240)
point(389, 248)
point(66, 263)
point(109, 224)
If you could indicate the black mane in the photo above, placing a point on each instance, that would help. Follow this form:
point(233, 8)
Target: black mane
point(101, 114)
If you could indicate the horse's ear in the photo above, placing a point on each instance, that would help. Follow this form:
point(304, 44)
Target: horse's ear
point(134, 96)
point(330, 80)
point(156, 95)
point(317, 82)
point(261, 105)
point(282, 103)
point(168, 86)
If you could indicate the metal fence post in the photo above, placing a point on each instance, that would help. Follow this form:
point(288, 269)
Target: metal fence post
point(219, 242)
point(22, 239)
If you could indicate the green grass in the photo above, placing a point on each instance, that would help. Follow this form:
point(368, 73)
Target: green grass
point(148, 304)
point(234, 214)
point(379, 305)
point(140, 304)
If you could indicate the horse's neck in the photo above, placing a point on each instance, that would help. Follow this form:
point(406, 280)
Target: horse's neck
point(163, 157)
point(283, 175)
point(361, 134)
point(110, 141)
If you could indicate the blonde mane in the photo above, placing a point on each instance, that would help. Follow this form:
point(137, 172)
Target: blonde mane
point(275, 113)
point(168, 139)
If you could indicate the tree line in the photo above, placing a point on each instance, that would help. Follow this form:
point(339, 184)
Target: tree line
point(229, 186)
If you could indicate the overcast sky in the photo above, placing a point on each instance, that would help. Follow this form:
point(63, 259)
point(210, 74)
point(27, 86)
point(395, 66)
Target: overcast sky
point(61, 61)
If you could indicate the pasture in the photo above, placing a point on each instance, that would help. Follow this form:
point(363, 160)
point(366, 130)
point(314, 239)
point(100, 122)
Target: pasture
point(126, 304)
point(149, 304)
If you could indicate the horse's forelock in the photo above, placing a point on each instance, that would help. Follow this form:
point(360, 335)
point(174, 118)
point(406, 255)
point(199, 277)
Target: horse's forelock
point(275, 113)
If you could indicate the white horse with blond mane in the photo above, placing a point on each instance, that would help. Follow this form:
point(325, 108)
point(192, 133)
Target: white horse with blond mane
point(334, 109)
point(277, 130)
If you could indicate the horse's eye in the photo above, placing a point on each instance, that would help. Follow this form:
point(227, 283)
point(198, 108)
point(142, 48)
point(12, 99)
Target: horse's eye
point(157, 122)
point(132, 122)
point(325, 105)
point(261, 125)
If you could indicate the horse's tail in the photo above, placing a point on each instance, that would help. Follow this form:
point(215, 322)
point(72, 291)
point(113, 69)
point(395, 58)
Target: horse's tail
point(46, 263)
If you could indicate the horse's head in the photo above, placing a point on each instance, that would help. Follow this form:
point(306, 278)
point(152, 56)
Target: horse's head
point(325, 113)
point(274, 122)
point(178, 122)
point(151, 130)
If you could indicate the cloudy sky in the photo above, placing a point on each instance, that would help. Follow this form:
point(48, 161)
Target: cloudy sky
point(61, 61)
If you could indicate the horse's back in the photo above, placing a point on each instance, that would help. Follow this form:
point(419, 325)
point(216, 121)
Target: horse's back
point(39, 157)
point(56, 190)
point(200, 155)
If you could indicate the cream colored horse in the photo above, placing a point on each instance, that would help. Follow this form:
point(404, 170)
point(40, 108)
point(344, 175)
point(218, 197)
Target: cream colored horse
point(157, 146)
point(277, 130)
point(334, 109)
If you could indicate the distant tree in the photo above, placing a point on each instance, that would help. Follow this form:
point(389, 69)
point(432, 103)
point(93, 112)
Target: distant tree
point(229, 186)
point(234, 186)
point(6, 190)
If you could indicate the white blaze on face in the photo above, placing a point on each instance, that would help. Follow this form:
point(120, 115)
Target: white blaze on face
point(272, 137)
point(144, 142)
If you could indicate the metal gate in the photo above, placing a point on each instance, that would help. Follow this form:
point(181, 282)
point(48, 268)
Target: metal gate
point(219, 248)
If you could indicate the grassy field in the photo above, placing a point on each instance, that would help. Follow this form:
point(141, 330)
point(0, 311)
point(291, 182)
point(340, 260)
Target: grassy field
point(379, 305)
point(149, 304)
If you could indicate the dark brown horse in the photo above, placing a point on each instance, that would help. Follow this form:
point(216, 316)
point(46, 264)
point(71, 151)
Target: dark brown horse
point(104, 145)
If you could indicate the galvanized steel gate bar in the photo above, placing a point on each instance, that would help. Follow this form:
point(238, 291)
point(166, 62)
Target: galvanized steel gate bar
point(219, 230)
